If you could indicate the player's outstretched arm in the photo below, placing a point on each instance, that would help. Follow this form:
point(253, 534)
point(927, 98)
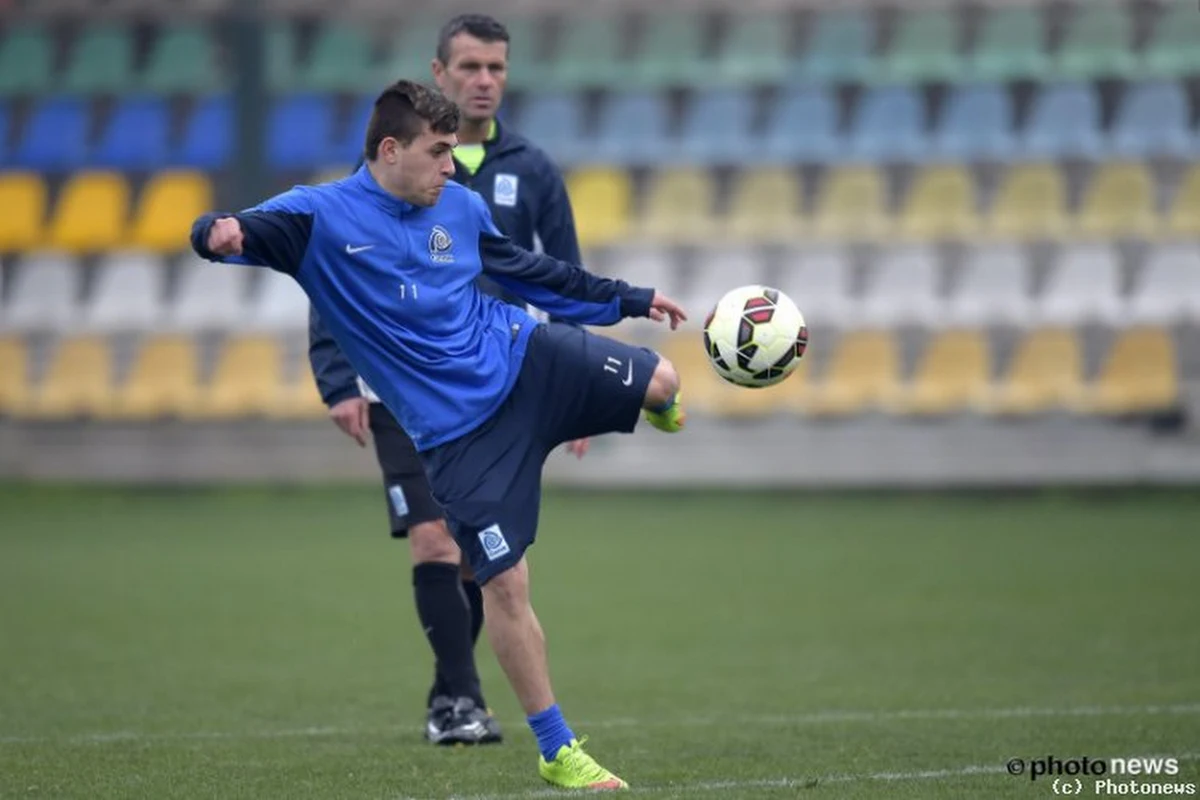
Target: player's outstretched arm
point(273, 234)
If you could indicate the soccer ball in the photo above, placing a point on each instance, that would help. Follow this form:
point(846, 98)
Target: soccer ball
point(755, 336)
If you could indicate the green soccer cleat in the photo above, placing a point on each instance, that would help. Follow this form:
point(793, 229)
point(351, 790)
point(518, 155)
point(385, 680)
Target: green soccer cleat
point(670, 419)
point(574, 769)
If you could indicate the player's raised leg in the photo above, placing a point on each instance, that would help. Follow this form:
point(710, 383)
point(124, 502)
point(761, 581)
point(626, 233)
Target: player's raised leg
point(663, 409)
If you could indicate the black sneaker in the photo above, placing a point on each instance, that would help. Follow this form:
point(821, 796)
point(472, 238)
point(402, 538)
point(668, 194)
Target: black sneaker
point(441, 710)
point(469, 724)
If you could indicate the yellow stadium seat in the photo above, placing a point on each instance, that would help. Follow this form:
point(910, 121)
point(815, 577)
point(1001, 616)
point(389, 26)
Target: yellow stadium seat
point(79, 381)
point(852, 205)
point(170, 202)
point(92, 213)
point(601, 199)
point(940, 205)
point(300, 399)
point(679, 207)
point(247, 380)
point(766, 206)
point(952, 375)
point(864, 372)
point(1119, 202)
point(1046, 373)
point(14, 366)
point(23, 200)
point(1030, 204)
point(163, 382)
point(1184, 217)
point(1140, 374)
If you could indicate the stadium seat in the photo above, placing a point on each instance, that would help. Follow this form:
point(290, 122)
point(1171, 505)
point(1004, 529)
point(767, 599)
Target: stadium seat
point(1153, 121)
point(182, 60)
point(753, 50)
point(1030, 204)
point(713, 272)
point(678, 207)
point(6, 155)
point(851, 205)
point(940, 205)
point(1139, 375)
point(1010, 46)
point(42, 295)
point(170, 202)
point(889, 126)
point(994, 288)
point(280, 57)
point(924, 49)
point(54, 137)
point(299, 398)
point(135, 137)
point(670, 51)
point(1168, 290)
point(78, 382)
point(1084, 286)
point(818, 280)
point(526, 57)
point(1063, 123)
point(245, 382)
point(716, 128)
point(765, 206)
point(101, 61)
point(1171, 50)
point(1184, 217)
point(641, 265)
point(208, 135)
point(1098, 43)
point(300, 132)
point(904, 289)
point(127, 294)
point(340, 60)
point(14, 366)
point(279, 305)
point(26, 60)
point(558, 118)
point(1045, 374)
point(588, 54)
point(633, 130)
point(412, 50)
point(23, 198)
point(209, 297)
point(839, 49)
point(863, 374)
point(602, 199)
point(1119, 202)
point(349, 143)
point(163, 381)
point(977, 125)
point(92, 212)
point(802, 125)
point(952, 375)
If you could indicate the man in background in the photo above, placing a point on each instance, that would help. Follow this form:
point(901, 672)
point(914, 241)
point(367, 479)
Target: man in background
point(525, 192)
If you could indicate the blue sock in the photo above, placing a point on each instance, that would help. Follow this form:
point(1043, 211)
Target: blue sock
point(670, 402)
point(551, 731)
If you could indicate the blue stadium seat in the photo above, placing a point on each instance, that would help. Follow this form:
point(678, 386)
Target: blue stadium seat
point(348, 148)
point(1153, 121)
point(556, 118)
point(977, 125)
point(300, 132)
point(5, 158)
point(716, 127)
point(1064, 123)
point(633, 130)
point(802, 126)
point(889, 126)
point(55, 136)
point(208, 137)
point(135, 136)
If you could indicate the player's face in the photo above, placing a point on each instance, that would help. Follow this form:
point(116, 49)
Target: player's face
point(419, 171)
point(474, 77)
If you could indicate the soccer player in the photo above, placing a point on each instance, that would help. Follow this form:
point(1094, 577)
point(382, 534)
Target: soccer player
point(389, 256)
point(525, 193)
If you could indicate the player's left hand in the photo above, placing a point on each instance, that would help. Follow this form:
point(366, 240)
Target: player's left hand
point(663, 308)
point(579, 447)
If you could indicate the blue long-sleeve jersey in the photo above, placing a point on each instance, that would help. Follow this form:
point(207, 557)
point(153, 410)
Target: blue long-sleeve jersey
point(395, 284)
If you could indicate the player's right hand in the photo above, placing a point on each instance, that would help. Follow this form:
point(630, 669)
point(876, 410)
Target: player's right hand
point(352, 415)
point(225, 237)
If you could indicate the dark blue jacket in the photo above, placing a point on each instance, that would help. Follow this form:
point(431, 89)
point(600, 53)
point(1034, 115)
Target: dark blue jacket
point(525, 192)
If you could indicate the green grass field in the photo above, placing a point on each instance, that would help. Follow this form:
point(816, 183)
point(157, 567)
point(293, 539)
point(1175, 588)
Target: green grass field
point(262, 643)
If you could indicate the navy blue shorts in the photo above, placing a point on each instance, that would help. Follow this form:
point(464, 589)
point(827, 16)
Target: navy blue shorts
point(489, 482)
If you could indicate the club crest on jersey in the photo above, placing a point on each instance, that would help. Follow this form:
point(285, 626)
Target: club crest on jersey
point(504, 190)
point(439, 245)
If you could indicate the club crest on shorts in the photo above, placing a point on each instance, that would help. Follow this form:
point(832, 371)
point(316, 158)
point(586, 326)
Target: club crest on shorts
point(493, 542)
point(439, 245)
point(504, 190)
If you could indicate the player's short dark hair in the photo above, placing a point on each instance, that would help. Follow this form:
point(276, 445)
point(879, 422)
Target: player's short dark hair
point(401, 110)
point(481, 26)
